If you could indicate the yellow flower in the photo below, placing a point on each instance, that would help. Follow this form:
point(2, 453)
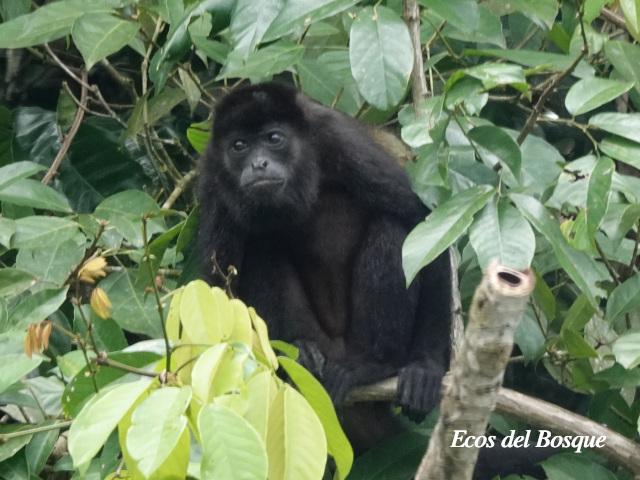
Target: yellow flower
point(92, 270)
point(100, 303)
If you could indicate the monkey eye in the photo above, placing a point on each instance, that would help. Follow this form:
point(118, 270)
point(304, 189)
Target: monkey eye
point(239, 145)
point(275, 138)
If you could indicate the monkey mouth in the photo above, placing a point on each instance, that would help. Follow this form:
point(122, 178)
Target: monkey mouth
point(265, 182)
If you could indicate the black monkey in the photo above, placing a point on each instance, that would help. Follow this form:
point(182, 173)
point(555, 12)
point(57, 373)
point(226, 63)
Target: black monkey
point(312, 212)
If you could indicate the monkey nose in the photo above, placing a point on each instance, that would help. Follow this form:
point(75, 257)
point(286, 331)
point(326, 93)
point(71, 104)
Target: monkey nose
point(260, 163)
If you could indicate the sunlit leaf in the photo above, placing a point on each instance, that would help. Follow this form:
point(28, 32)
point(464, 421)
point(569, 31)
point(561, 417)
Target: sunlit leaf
point(98, 35)
point(590, 93)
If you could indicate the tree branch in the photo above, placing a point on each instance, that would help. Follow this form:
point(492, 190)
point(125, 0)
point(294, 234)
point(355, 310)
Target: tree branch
point(419, 91)
point(75, 126)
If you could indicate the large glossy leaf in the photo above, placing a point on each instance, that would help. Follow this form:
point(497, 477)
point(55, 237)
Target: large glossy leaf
point(16, 171)
point(51, 265)
point(262, 388)
point(125, 210)
point(249, 22)
point(99, 418)
point(590, 93)
point(441, 228)
point(462, 14)
point(263, 63)
point(304, 12)
point(631, 10)
point(31, 193)
point(14, 282)
point(43, 231)
point(381, 56)
point(80, 389)
point(158, 439)
point(598, 193)
point(625, 57)
point(197, 311)
point(133, 308)
point(624, 299)
point(582, 269)
point(15, 366)
point(501, 233)
point(231, 447)
point(627, 350)
point(497, 146)
point(98, 35)
point(626, 125)
point(37, 307)
point(50, 22)
point(296, 444)
point(622, 149)
point(337, 442)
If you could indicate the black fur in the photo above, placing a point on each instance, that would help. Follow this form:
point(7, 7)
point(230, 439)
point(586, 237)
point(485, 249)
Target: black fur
point(322, 261)
point(318, 251)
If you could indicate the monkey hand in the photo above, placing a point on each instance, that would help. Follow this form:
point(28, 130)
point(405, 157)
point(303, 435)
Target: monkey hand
point(340, 377)
point(310, 357)
point(419, 386)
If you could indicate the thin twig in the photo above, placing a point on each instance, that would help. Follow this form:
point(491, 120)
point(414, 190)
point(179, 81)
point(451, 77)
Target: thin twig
point(613, 17)
point(75, 126)
point(106, 361)
point(180, 187)
point(537, 109)
point(31, 431)
point(419, 92)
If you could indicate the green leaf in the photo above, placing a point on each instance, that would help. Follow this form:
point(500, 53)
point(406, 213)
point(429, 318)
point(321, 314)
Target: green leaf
point(16, 171)
point(501, 233)
point(98, 35)
point(631, 10)
point(529, 337)
point(381, 56)
point(625, 57)
point(441, 228)
point(93, 425)
point(497, 146)
point(15, 366)
point(296, 444)
point(337, 442)
point(624, 299)
point(494, 74)
point(39, 449)
point(80, 389)
point(555, 62)
point(626, 125)
point(206, 369)
point(590, 93)
point(133, 308)
point(598, 193)
point(124, 211)
point(622, 149)
point(542, 12)
point(51, 265)
point(13, 282)
point(565, 466)
point(198, 135)
point(627, 350)
point(302, 13)
point(250, 21)
point(263, 63)
point(231, 447)
point(158, 439)
point(198, 310)
point(49, 22)
point(43, 232)
point(576, 345)
point(582, 269)
point(31, 193)
point(37, 307)
point(7, 230)
point(462, 14)
point(157, 108)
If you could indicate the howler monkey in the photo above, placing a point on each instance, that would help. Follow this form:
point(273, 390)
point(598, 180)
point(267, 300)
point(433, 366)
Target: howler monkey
point(313, 213)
